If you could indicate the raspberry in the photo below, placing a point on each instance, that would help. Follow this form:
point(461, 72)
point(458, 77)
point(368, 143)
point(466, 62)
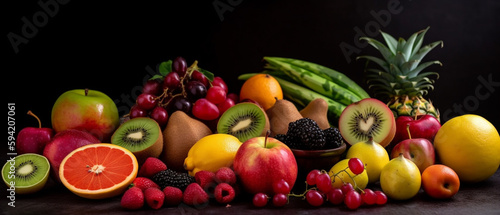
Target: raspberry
point(151, 166)
point(205, 178)
point(225, 175)
point(144, 183)
point(132, 199)
point(224, 193)
point(173, 196)
point(154, 197)
point(194, 195)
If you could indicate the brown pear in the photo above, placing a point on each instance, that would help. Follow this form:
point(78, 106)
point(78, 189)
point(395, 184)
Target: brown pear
point(280, 115)
point(180, 134)
point(317, 110)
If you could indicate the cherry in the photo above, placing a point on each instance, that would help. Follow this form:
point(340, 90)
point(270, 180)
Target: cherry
point(280, 200)
point(195, 90)
point(369, 197)
point(198, 76)
point(136, 111)
point(205, 110)
point(281, 186)
point(314, 198)
point(335, 196)
point(179, 66)
point(146, 101)
point(356, 166)
point(152, 87)
point(219, 82)
point(352, 199)
point(381, 198)
point(160, 115)
point(260, 200)
point(323, 182)
point(234, 97)
point(180, 103)
point(172, 81)
point(225, 105)
point(346, 188)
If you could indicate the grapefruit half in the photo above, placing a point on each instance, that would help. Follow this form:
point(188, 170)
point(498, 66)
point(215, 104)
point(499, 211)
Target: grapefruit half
point(98, 171)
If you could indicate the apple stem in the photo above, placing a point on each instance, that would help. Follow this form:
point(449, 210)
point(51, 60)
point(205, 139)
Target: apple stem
point(33, 115)
point(408, 129)
point(265, 139)
point(86, 91)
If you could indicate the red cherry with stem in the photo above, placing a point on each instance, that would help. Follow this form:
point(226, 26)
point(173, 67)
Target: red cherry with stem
point(381, 198)
point(281, 186)
point(172, 81)
point(280, 200)
point(146, 101)
point(260, 200)
point(314, 198)
point(160, 115)
point(335, 196)
point(369, 197)
point(311, 177)
point(353, 200)
point(356, 166)
point(323, 182)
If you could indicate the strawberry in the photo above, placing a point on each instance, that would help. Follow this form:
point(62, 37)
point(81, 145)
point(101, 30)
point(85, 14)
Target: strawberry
point(224, 193)
point(194, 195)
point(205, 179)
point(173, 196)
point(154, 197)
point(132, 199)
point(144, 183)
point(225, 175)
point(151, 166)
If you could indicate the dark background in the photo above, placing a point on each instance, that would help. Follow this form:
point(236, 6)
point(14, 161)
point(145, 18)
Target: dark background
point(110, 47)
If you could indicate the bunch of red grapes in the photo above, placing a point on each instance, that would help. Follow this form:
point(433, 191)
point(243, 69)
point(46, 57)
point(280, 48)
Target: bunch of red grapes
point(189, 89)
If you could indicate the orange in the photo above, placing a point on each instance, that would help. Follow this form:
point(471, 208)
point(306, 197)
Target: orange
point(440, 181)
point(262, 88)
point(470, 145)
point(98, 171)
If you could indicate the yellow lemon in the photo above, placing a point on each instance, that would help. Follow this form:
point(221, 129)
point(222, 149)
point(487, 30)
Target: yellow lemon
point(211, 153)
point(400, 179)
point(339, 176)
point(373, 155)
point(470, 145)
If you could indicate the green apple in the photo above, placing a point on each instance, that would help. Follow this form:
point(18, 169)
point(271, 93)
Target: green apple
point(88, 110)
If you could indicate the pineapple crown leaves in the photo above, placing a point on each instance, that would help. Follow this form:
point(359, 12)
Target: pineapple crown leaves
point(401, 65)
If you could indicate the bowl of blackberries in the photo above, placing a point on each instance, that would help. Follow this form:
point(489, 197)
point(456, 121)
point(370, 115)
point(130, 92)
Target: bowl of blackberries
point(313, 147)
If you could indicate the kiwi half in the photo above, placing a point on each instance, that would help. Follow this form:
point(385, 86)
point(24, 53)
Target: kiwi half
point(367, 118)
point(27, 172)
point(142, 136)
point(244, 121)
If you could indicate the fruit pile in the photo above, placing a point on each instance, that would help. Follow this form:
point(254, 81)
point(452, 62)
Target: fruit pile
point(188, 140)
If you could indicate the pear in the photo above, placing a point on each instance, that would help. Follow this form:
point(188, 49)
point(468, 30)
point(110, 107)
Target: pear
point(280, 115)
point(179, 135)
point(317, 110)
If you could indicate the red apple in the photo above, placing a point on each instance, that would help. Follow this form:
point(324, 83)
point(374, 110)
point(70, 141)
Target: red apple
point(62, 144)
point(440, 181)
point(418, 150)
point(262, 161)
point(88, 110)
point(33, 140)
point(423, 126)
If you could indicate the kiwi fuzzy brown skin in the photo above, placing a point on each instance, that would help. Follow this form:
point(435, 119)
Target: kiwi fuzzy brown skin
point(152, 151)
point(317, 110)
point(39, 175)
point(180, 134)
point(281, 114)
point(384, 132)
point(267, 125)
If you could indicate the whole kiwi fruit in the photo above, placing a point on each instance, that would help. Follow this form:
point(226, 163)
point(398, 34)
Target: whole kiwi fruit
point(142, 136)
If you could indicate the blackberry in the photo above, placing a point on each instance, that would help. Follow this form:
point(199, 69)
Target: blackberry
point(333, 138)
point(306, 133)
point(172, 178)
point(289, 141)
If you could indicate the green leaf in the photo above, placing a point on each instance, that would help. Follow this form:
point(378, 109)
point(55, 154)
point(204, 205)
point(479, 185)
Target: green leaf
point(418, 41)
point(391, 42)
point(165, 67)
point(386, 53)
point(157, 76)
point(209, 75)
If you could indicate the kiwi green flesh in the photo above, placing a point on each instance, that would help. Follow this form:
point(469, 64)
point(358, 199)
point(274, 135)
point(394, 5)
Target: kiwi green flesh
point(136, 134)
point(244, 121)
point(28, 170)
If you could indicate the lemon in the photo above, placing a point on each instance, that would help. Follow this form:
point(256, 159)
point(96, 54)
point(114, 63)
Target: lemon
point(339, 177)
point(470, 145)
point(400, 179)
point(373, 155)
point(211, 153)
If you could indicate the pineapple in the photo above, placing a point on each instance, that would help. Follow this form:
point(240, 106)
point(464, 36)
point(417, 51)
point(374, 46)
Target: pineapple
point(399, 79)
